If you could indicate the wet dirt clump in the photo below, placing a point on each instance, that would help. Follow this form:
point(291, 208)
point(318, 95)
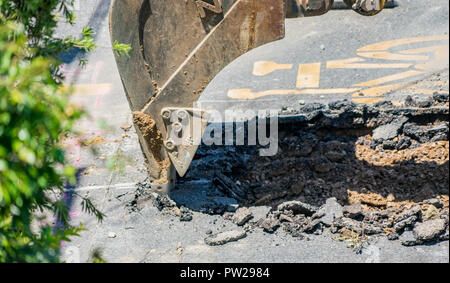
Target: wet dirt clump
point(152, 144)
point(144, 196)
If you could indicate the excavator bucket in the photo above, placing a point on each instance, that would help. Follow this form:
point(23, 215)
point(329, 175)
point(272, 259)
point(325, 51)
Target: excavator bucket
point(177, 48)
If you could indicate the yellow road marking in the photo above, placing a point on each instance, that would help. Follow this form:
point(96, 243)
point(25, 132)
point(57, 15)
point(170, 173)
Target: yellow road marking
point(378, 91)
point(441, 55)
point(425, 49)
point(87, 89)
point(369, 100)
point(247, 94)
point(309, 75)
point(381, 90)
point(382, 46)
point(391, 56)
point(263, 68)
point(392, 78)
point(352, 63)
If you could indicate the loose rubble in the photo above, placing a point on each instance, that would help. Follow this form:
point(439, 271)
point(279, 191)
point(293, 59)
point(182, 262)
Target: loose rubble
point(225, 237)
point(402, 220)
point(355, 171)
point(163, 203)
point(242, 216)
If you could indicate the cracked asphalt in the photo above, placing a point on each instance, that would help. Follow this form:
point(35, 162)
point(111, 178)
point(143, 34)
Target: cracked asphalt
point(110, 174)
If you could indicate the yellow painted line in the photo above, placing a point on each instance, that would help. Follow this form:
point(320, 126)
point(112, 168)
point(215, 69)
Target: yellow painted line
point(378, 91)
point(441, 55)
point(388, 79)
point(309, 75)
point(370, 100)
point(247, 94)
point(425, 49)
point(352, 63)
point(382, 46)
point(87, 89)
point(392, 56)
point(263, 68)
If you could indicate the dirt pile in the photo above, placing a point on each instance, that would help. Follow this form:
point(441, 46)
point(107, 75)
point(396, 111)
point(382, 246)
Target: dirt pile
point(367, 215)
point(143, 196)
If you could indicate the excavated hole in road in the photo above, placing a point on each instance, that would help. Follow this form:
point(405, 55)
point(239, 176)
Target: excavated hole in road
point(394, 152)
point(384, 167)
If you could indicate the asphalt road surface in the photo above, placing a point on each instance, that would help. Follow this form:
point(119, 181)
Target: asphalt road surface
point(322, 59)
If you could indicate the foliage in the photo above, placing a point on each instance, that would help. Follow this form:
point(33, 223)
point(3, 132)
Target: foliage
point(35, 114)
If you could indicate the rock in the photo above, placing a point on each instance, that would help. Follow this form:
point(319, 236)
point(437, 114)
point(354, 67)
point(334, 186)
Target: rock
point(313, 226)
point(357, 226)
point(389, 145)
point(349, 224)
point(112, 235)
point(162, 202)
point(429, 230)
point(344, 105)
point(311, 107)
point(393, 236)
point(400, 226)
point(414, 211)
point(423, 103)
point(409, 239)
point(444, 236)
point(225, 237)
point(370, 229)
point(353, 211)
point(424, 135)
point(285, 218)
point(259, 212)
point(389, 131)
point(404, 143)
point(293, 229)
point(186, 214)
point(441, 97)
point(434, 202)
point(270, 224)
point(438, 133)
point(418, 102)
point(431, 213)
point(298, 207)
point(242, 216)
point(331, 210)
